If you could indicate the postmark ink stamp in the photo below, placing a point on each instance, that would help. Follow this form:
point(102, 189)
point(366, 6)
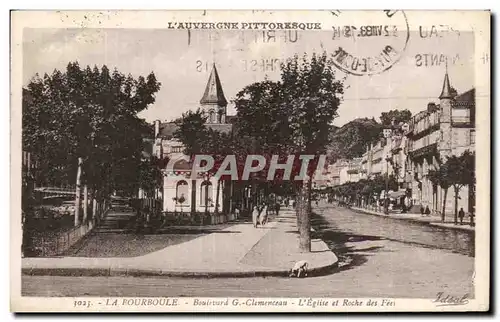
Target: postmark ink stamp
point(371, 47)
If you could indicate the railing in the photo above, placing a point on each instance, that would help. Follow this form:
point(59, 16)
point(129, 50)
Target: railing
point(424, 121)
point(47, 244)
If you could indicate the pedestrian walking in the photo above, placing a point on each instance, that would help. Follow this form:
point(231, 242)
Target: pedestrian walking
point(255, 216)
point(471, 216)
point(278, 206)
point(422, 210)
point(461, 215)
point(427, 211)
point(263, 216)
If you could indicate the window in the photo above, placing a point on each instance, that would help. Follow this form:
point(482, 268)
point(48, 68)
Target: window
point(206, 193)
point(472, 138)
point(181, 193)
point(177, 149)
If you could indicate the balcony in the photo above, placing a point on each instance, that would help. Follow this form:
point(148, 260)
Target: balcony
point(424, 123)
point(459, 121)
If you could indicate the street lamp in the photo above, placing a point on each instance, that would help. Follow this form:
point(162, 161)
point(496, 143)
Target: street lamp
point(386, 199)
point(387, 134)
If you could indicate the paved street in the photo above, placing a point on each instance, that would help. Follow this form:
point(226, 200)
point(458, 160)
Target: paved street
point(378, 257)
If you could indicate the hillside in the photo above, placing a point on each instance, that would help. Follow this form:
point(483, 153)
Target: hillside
point(351, 140)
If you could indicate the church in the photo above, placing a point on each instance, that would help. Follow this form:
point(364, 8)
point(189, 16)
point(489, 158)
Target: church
point(181, 193)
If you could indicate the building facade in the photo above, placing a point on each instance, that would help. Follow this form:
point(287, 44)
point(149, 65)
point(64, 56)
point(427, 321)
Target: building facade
point(410, 151)
point(181, 193)
point(439, 132)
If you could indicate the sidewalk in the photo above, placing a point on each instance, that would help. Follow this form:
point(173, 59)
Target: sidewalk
point(430, 220)
point(236, 251)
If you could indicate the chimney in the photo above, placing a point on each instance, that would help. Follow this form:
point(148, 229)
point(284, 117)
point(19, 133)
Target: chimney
point(157, 128)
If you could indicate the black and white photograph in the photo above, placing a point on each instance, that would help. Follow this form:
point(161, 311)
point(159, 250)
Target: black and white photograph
point(250, 161)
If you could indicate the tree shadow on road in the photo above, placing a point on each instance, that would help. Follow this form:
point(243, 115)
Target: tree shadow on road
point(338, 242)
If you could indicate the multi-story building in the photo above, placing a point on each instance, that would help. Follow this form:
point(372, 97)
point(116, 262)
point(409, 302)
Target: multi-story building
point(440, 131)
point(410, 150)
point(344, 170)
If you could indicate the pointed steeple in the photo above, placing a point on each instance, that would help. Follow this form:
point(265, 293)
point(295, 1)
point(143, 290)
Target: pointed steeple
point(213, 92)
point(446, 92)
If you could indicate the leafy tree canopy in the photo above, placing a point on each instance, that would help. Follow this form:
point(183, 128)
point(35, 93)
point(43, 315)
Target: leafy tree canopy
point(89, 113)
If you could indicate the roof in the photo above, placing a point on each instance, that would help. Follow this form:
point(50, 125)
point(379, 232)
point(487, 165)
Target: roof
point(446, 92)
point(466, 99)
point(213, 92)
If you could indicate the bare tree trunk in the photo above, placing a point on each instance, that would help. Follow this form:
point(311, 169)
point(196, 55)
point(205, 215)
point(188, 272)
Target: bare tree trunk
point(94, 206)
point(193, 196)
point(456, 190)
point(298, 206)
point(85, 203)
point(444, 205)
point(305, 217)
point(206, 198)
point(217, 197)
point(231, 189)
point(253, 195)
point(78, 202)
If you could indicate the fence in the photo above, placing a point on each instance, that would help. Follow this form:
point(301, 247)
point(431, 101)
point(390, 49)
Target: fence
point(146, 205)
point(54, 244)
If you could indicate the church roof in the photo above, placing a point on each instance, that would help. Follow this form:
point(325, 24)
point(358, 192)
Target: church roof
point(213, 92)
point(446, 92)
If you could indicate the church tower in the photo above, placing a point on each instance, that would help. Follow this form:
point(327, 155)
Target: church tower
point(445, 99)
point(213, 102)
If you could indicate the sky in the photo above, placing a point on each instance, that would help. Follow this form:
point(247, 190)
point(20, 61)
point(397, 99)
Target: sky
point(182, 61)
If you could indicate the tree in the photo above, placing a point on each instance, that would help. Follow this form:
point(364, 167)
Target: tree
point(440, 177)
point(460, 171)
point(353, 138)
point(89, 114)
point(398, 116)
point(311, 92)
point(150, 177)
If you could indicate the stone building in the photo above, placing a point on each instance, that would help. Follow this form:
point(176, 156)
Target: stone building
point(443, 130)
point(180, 192)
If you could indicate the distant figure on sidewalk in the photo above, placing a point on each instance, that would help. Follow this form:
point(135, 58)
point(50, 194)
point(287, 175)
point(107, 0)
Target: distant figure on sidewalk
point(422, 210)
point(237, 212)
point(263, 216)
point(287, 202)
point(461, 215)
point(278, 206)
point(255, 216)
point(427, 211)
